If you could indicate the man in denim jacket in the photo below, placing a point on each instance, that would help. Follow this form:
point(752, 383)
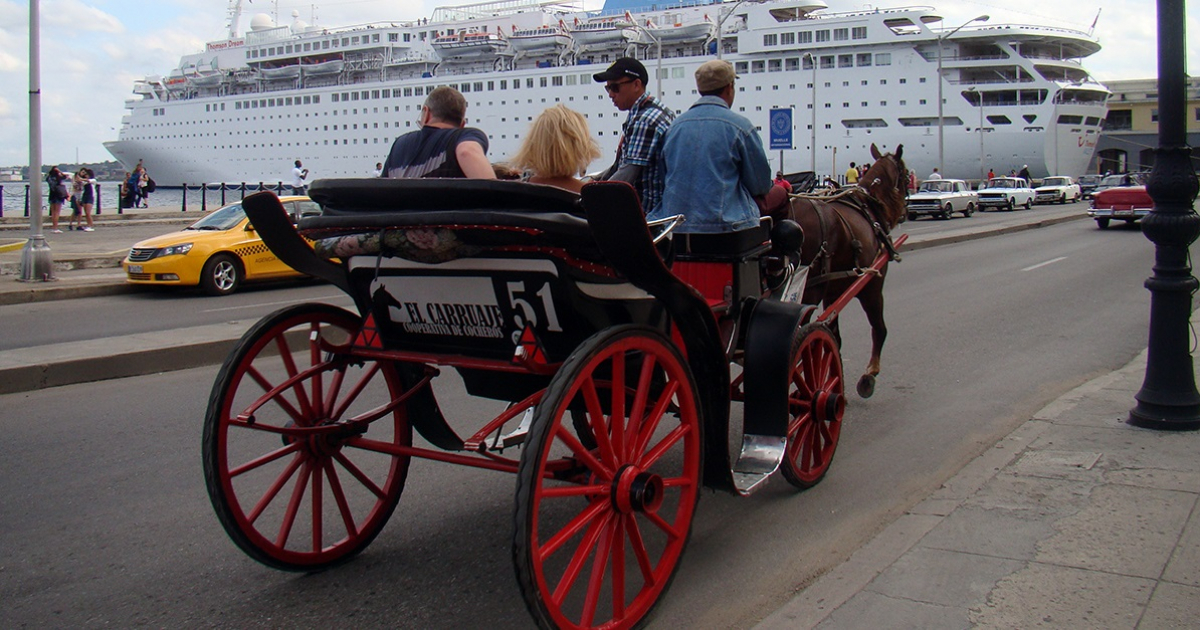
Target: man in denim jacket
point(715, 161)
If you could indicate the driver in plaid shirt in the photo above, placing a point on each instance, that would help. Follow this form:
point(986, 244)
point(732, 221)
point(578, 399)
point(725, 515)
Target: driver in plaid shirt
point(639, 156)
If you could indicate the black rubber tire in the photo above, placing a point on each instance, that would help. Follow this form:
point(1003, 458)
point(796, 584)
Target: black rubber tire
point(948, 212)
point(237, 455)
point(1029, 204)
point(538, 514)
point(969, 211)
point(1011, 205)
point(222, 275)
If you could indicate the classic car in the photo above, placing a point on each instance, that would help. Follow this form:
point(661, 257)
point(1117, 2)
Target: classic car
point(1006, 193)
point(942, 198)
point(1087, 184)
point(1121, 203)
point(1058, 188)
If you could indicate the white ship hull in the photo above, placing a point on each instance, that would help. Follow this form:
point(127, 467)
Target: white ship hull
point(880, 89)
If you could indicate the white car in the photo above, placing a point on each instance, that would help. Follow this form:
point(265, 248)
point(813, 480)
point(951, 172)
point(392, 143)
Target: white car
point(1059, 189)
point(942, 198)
point(1006, 193)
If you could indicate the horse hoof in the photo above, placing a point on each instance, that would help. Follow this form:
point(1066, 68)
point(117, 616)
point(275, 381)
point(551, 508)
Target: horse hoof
point(866, 386)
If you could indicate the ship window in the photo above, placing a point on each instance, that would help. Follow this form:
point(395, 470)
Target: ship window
point(822, 36)
point(845, 61)
point(393, 37)
point(903, 102)
point(516, 84)
point(353, 96)
point(787, 39)
point(254, 53)
point(317, 99)
point(1072, 119)
point(289, 48)
point(375, 38)
point(354, 40)
point(757, 67)
point(466, 87)
point(236, 105)
point(770, 39)
point(805, 37)
point(287, 101)
point(345, 96)
point(864, 123)
point(325, 45)
point(999, 120)
point(826, 62)
point(1092, 121)
point(529, 83)
point(206, 108)
point(374, 94)
point(503, 85)
point(903, 81)
point(883, 59)
point(541, 81)
point(346, 41)
point(408, 37)
point(741, 67)
point(364, 97)
point(556, 81)
point(863, 104)
point(791, 63)
point(408, 91)
point(841, 34)
point(806, 62)
point(858, 32)
point(864, 59)
point(774, 65)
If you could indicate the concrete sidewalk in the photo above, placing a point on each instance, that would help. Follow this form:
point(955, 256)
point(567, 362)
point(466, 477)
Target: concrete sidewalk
point(1075, 520)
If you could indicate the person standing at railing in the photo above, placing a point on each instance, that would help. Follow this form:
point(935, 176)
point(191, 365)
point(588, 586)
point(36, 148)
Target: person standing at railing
point(57, 181)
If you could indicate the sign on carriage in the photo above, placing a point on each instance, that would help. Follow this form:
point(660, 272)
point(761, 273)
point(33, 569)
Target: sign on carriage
point(781, 128)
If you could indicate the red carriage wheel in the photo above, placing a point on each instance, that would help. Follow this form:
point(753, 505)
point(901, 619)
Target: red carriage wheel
point(600, 530)
point(296, 441)
point(816, 399)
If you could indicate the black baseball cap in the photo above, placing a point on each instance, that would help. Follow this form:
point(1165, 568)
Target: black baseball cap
point(624, 68)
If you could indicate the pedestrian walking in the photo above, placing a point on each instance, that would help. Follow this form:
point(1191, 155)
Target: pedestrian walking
point(935, 174)
point(299, 179)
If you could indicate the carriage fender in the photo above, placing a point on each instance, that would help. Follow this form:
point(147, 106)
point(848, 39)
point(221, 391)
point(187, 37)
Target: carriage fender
point(768, 364)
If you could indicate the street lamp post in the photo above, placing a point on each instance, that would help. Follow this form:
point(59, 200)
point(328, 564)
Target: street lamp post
point(1168, 398)
point(979, 129)
point(812, 60)
point(941, 120)
point(36, 261)
point(721, 24)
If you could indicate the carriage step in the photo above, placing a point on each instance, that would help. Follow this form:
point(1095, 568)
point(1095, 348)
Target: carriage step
point(760, 457)
point(517, 435)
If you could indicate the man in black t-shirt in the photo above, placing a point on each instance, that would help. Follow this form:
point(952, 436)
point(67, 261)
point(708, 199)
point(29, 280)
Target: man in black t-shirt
point(443, 146)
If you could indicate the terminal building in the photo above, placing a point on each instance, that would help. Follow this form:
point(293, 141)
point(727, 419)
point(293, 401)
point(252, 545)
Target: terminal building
point(1131, 128)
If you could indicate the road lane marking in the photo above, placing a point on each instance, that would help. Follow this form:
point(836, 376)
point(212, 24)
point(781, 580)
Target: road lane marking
point(308, 299)
point(1043, 264)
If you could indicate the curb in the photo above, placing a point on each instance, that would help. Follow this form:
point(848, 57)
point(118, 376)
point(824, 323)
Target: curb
point(51, 294)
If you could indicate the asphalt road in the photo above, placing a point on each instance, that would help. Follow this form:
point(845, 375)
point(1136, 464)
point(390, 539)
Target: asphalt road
point(107, 522)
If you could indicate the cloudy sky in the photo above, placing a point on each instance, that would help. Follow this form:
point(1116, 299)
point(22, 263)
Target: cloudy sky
point(93, 51)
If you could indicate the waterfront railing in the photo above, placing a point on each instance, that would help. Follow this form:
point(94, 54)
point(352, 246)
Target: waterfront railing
point(108, 196)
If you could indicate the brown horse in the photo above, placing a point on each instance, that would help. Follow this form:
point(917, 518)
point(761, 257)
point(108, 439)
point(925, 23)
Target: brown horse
point(844, 232)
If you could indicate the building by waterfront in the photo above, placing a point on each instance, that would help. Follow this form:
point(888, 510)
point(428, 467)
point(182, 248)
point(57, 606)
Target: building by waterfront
point(1131, 128)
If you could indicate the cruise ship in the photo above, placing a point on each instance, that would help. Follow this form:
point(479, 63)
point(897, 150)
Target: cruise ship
point(835, 82)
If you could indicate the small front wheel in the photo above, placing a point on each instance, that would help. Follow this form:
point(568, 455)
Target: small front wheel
point(1029, 204)
point(222, 275)
point(300, 441)
point(599, 530)
point(1102, 224)
point(969, 211)
point(816, 402)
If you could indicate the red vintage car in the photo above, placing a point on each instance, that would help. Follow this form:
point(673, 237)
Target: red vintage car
point(1123, 203)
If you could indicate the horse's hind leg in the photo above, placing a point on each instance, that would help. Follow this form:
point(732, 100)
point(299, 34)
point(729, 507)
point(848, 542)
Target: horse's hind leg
point(871, 300)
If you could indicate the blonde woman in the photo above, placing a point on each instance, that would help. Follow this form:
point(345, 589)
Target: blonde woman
point(558, 148)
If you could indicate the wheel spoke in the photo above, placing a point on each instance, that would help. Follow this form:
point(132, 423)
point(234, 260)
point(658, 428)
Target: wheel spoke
point(283, 403)
point(352, 395)
point(339, 497)
point(269, 495)
point(639, 549)
point(663, 525)
point(664, 445)
point(316, 508)
point(331, 396)
point(314, 358)
point(618, 566)
point(656, 416)
point(579, 558)
point(616, 419)
point(265, 459)
point(599, 565)
point(289, 364)
point(584, 518)
point(358, 474)
point(584, 455)
point(575, 491)
point(289, 518)
point(596, 421)
point(637, 411)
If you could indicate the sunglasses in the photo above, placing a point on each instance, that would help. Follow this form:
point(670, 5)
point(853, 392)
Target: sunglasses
point(613, 88)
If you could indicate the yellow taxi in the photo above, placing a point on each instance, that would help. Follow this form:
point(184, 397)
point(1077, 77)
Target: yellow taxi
point(217, 252)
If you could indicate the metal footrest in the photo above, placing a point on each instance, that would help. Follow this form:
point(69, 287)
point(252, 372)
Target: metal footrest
point(517, 435)
point(760, 457)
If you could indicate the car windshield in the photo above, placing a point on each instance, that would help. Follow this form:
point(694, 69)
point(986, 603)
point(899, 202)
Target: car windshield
point(225, 218)
point(1056, 181)
point(1002, 183)
point(937, 186)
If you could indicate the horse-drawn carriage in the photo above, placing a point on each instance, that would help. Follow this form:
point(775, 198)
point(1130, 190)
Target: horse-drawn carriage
point(618, 354)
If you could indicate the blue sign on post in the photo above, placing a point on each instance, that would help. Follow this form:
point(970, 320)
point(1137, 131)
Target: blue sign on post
point(781, 128)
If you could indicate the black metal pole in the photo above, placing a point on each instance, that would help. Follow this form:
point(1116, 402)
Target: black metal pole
point(1168, 398)
point(1, 200)
point(222, 194)
point(203, 197)
point(26, 200)
point(183, 205)
point(99, 203)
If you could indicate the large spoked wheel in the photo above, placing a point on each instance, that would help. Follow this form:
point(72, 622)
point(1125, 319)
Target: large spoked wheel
point(817, 402)
point(299, 441)
point(600, 531)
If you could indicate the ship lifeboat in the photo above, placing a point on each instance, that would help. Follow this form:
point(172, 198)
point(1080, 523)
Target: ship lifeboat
point(539, 39)
point(603, 31)
point(679, 32)
point(280, 73)
point(332, 66)
point(467, 44)
point(206, 80)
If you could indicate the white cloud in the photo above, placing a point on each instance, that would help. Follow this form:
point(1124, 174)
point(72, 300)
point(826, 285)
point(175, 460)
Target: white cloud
point(78, 17)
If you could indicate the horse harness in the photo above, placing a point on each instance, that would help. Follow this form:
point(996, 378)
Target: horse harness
point(859, 199)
